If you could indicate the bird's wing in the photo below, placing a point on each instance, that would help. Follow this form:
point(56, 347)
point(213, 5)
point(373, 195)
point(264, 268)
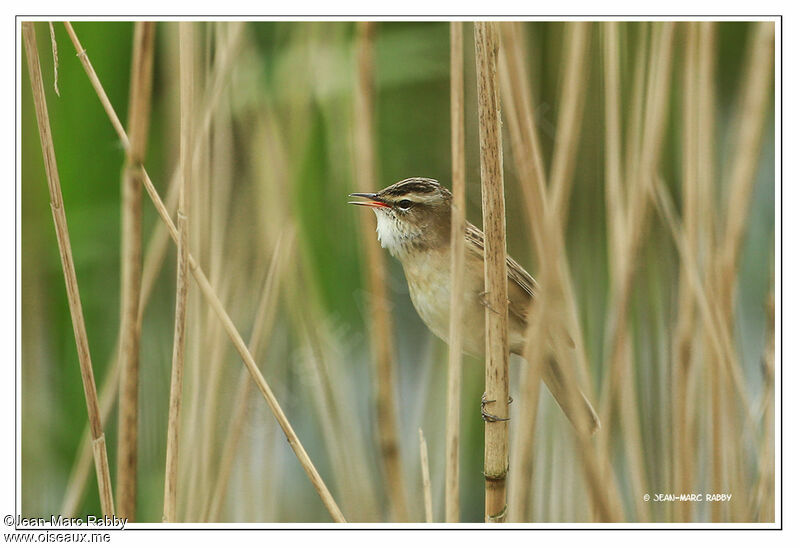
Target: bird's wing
point(522, 287)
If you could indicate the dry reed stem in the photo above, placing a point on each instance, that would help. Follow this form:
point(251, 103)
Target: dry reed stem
point(68, 266)
point(154, 257)
point(426, 478)
point(262, 327)
point(649, 157)
point(555, 279)
point(381, 329)
point(214, 302)
point(79, 474)
point(181, 288)
point(752, 117)
point(615, 219)
point(514, 86)
point(156, 250)
point(54, 45)
point(495, 467)
point(138, 123)
point(753, 102)
point(685, 324)
point(615, 197)
point(764, 497)
point(571, 103)
point(457, 227)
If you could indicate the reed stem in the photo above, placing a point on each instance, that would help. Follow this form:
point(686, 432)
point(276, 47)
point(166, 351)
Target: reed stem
point(213, 301)
point(426, 477)
point(68, 267)
point(457, 228)
point(381, 326)
point(130, 328)
point(494, 225)
point(182, 286)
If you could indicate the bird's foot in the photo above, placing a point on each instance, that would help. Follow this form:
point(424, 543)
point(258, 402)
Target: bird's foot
point(485, 303)
point(488, 417)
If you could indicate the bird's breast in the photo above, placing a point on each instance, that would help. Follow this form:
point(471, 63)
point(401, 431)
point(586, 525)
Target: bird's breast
point(428, 277)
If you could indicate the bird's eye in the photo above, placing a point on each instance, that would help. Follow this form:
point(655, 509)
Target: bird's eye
point(404, 204)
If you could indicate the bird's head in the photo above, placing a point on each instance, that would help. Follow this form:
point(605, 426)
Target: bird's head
point(413, 214)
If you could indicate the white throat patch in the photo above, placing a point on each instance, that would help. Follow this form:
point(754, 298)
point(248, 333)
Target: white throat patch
point(387, 233)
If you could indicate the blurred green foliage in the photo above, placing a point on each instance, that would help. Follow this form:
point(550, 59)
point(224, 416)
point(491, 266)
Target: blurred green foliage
point(412, 139)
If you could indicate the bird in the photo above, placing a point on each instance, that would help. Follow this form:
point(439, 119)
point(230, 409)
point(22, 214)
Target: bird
point(413, 225)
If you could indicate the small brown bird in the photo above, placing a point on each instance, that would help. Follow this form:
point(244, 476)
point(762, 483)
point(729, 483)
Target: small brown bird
point(414, 225)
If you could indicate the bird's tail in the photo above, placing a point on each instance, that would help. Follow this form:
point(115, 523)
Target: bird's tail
point(570, 398)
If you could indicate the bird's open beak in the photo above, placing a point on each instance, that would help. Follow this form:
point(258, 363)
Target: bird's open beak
point(373, 200)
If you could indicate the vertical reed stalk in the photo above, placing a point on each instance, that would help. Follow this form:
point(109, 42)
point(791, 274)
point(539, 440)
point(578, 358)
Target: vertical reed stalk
point(554, 292)
point(262, 327)
point(138, 123)
point(572, 101)
point(457, 228)
point(648, 159)
point(685, 325)
point(753, 102)
point(381, 332)
point(516, 90)
point(68, 266)
point(494, 225)
point(764, 499)
point(615, 214)
point(426, 477)
point(182, 286)
point(213, 300)
point(156, 251)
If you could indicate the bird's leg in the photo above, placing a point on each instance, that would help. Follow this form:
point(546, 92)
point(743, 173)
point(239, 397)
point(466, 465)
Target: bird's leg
point(488, 417)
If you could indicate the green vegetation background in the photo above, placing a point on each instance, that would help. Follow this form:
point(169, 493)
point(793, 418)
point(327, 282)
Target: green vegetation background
point(412, 138)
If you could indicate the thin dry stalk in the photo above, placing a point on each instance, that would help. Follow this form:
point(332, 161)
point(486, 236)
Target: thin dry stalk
point(752, 118)
point(156, 251)
point(138, 124)
point(495, 467)
point(262, 326)
point(685, 324)
point(554, 289)
point(454, 362)
point(514, 86)
point(380, 320)
point(214, 302)
point(68, 266)
point(182, 285)
point(615, 198)
point(616, 215)
point(426, 477)
point(79, 475)
point(653, 134)
point(764, 499)
point(754, 100)
point(572, 101)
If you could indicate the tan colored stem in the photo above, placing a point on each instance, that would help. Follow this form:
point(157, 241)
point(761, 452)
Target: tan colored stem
point(494, 225)
point(182, 286)
point(426, 478)
point(214, 302)
point(380, 320)
point(130, 328)
point(454, 362)
point(572, 101)
point(68, 267)
point(262, 327)
point(555, 290)
point(109, 390)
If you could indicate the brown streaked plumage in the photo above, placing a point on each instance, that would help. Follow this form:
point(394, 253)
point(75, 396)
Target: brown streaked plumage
point(414, 226)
